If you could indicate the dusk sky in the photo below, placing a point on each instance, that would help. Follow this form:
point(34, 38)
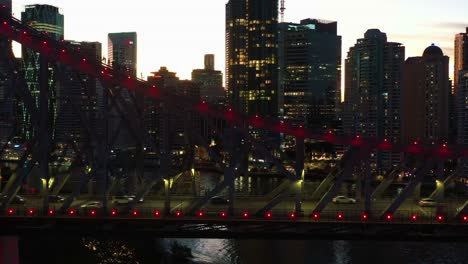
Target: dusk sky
point(177, 33)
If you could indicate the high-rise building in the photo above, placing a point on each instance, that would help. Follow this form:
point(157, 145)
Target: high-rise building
point(44, 18)
point(165, 127)
point(210, 81)
point(122, 56)
point(373, 73)
point(462, 120)
point(7, 105)
point(251, 56)
point(78, 95)
point(310, 72)
point(461, 56)
point(425, 97)
point(122, 51)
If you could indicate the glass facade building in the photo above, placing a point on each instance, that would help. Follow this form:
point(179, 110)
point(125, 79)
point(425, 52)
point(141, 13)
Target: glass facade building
point(251, 56)
point(309, 72)
point(210, 81)
point(47, 19)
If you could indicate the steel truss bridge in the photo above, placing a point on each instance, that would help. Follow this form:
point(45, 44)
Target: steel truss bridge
point(230, 156)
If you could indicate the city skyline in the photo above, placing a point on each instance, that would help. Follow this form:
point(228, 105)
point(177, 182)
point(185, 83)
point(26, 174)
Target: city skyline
point(163, 39)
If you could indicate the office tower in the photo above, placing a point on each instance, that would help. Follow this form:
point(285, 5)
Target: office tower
point(251, 56)
point(122, 51)
point(165, 127)
point(44, 18)
point(210, 81)
point(6, 85)
point(373, 70)
point(122, 56)
point(461, 57)
point(77, 97)
point(425, 97)
point(462, 120)
point(310, 72)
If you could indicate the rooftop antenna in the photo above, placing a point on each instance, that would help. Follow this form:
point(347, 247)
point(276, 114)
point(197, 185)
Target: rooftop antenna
point(282, 8)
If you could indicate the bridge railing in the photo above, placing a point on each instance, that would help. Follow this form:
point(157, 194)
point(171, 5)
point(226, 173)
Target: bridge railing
point(327, 216)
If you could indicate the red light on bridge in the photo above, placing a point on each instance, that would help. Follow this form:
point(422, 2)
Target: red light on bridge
point(415, 142)
point(11, 211)
point(5, 23)
point(178, 214)
point(316, 216)
point(71, 212)
point(364, 216)
point(129, 77)
point(113, 212)
point(135, 213)
point(31, 211)
point(63, 51)
point(25, 33)
point(339, 216)
point(268, 215)
point(388, 217)
point(223, 214)
point(51, 212)
point(44, 42)
point(92, 212)
point(444, 145)
point(292, 215)
point(157, 213)
point(246, 215)
point(440, 218)
point(200, 214)
point(414, 217)
point(465, 218)
point(83, 59)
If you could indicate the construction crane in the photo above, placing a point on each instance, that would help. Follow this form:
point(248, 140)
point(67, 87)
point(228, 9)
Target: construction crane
point(282, 8)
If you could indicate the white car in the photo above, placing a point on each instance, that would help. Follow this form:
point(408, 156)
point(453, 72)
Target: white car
point(92, 205)
point(343, 200)
point(124, 199)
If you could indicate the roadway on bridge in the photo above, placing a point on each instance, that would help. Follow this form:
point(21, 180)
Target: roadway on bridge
point(253, 204)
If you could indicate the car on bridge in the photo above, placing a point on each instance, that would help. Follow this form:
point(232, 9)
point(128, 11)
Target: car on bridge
point(218, 200)
point(16, 199)
point(122, 199)
point(53, 198)
point(427, 202)
point(341, 199)
point(92, 205)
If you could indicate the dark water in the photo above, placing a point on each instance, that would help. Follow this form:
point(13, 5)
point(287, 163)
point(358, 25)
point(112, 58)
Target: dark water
point(220, 251)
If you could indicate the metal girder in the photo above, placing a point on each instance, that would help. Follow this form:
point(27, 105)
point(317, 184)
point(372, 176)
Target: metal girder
point(77, 190)
point(405, 194)
point(325, 184)
point(349, 161)
point(388, 179)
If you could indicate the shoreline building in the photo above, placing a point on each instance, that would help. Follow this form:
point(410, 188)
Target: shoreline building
point(425, 108)
point(44, 18)
point(210, 82)
point(78, 92)
point(462, 120)
point(373, 83)
point(310, 73)
point(252, 56)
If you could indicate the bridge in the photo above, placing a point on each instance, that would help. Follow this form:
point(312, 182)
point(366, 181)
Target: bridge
point(288, 210)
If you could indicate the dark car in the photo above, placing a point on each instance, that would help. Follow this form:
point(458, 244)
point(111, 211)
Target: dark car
point(218, 200)
point(17, 199)
point(56, 198)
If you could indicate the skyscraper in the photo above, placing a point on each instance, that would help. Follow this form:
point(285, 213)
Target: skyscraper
point(122, 55)
point(6, 86)
point(461, 56)
point(310, 72)
point(373, 70)
point(78, 94)
point(462, 120)
point(251, 56)
point(210, 81)
point(48, 19)
point(426, 91)
point(122, 51)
